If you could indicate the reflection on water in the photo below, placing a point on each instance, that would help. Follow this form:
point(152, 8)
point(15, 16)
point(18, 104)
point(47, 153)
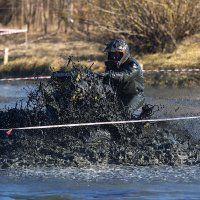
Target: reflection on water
point(110, 182)
point(174, 93)
point(11, 92)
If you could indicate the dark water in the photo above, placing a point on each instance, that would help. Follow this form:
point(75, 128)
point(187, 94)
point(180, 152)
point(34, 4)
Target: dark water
point(109, 182)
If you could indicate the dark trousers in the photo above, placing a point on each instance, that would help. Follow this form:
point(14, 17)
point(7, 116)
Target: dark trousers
point(133, 103)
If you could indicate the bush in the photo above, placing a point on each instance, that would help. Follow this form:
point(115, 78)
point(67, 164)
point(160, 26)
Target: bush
point(150, 26)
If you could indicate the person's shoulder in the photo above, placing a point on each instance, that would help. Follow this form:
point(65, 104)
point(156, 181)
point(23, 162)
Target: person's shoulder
point(134, 63)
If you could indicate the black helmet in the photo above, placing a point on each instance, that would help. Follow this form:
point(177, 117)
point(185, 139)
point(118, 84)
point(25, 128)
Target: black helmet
point(118, 52)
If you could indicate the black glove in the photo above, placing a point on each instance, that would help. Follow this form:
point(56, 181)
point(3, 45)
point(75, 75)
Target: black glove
point(105, 77)
point(61, 74)
point(99, 75)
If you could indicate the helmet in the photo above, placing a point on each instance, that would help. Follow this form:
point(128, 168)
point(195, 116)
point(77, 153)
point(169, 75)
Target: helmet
point(118, 52)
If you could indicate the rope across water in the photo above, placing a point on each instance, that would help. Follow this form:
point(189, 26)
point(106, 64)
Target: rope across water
point(101, 123)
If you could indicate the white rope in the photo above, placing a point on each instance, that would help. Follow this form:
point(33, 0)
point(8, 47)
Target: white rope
point(103, 123)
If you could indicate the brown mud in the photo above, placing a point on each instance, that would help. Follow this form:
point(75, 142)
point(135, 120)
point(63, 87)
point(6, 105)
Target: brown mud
point(81, 97)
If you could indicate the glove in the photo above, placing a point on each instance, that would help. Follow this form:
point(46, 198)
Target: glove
point(61, 74)
point(100, 75)
point(106, 78)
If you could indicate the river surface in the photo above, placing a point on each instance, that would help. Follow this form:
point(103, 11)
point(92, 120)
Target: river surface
point(108, 182)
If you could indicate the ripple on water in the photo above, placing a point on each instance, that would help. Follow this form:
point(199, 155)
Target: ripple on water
point(181, 174)
point(109, 182)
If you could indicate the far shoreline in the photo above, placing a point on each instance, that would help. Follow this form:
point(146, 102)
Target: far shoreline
point(154, 79)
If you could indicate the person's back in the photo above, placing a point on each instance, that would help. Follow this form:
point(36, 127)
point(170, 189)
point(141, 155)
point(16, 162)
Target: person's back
point(125, 75)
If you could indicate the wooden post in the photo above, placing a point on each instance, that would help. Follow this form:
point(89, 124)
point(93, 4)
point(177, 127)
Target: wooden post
point(26, 36)
point(6, 52)
point(141, 65)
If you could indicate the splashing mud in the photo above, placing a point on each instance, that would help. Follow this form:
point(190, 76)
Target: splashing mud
point(81, 97)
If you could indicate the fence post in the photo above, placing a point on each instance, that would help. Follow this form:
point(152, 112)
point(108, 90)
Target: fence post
point(6, 52)
point(26, 35)
point(141, 65)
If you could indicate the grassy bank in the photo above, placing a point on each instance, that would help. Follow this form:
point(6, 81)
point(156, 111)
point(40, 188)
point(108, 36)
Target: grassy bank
point(49, 52)
point(52, 52)
point(186, 55)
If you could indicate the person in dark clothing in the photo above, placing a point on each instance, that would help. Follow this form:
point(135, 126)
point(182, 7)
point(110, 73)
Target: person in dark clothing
point(125, 75)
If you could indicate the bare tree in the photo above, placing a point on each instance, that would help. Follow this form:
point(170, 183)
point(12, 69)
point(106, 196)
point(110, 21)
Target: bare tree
point(150, 25)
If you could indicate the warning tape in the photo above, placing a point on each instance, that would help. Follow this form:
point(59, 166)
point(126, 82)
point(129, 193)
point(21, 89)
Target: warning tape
point(172, 70)
point(145, 71)
point(25, 78)
point(11, 31)
point(100, 123)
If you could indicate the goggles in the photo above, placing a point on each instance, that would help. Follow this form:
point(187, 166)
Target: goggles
point(115, 56)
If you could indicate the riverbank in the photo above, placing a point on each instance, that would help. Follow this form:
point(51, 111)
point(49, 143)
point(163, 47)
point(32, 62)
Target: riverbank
point(47, 53)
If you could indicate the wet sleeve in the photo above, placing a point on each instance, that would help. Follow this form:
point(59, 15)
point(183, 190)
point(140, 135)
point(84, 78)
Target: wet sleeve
point(131, 70)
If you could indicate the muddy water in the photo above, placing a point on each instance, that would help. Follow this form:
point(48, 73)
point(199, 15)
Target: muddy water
point(10, 92)
point(110, 182)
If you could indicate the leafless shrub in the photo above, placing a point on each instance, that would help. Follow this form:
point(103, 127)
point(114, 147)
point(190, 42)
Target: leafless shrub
point(149, 25)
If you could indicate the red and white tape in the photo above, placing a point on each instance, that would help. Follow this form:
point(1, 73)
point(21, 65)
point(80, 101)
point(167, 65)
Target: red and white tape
point(145, 71)
point(11, 31)
point(9, 130)
point(172, 70)
point(25, 78)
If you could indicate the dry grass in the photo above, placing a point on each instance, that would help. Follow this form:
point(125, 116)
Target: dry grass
point(187, 55)
point(54, 51)
point(51, 53)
